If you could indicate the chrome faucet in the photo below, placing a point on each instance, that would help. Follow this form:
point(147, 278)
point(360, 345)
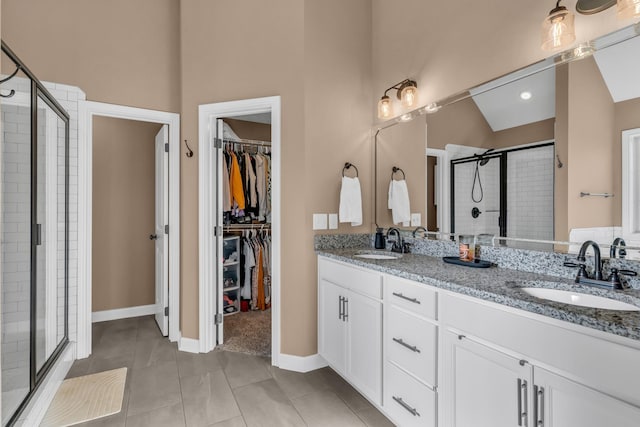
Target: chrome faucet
point(619, 244)
point(418, 229)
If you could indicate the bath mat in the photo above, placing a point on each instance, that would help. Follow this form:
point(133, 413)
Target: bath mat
point(87, 398)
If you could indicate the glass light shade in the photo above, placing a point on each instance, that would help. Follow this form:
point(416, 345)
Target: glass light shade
point(385, 108)
point(558, 30)
point(628, 9)
point(409, 96)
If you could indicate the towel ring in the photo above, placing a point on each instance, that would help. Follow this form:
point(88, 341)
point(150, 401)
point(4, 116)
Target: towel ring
point(397, 169)
point(349, 165)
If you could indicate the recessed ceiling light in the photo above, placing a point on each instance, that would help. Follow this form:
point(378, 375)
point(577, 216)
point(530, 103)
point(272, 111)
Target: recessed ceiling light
point(525, 96)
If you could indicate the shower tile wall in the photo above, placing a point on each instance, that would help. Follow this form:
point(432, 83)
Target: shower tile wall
point(530, 194)
point(15, 246)
point(486, 222)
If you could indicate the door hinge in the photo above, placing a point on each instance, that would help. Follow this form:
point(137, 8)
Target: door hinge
point(217, 142)
point(217, 319)
point(166, 147)
point(166, 311)
point(166, 229)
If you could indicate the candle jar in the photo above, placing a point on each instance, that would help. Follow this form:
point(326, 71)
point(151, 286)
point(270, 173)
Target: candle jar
point(467, 245)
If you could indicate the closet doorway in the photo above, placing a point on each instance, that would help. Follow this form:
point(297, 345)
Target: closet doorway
point(161, 234)
point(239, 226)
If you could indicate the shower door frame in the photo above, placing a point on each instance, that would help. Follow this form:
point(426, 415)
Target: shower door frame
point(39, 92)
point(502, 155)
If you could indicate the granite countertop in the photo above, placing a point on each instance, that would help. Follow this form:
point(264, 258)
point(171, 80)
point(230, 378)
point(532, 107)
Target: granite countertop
point(503, 286)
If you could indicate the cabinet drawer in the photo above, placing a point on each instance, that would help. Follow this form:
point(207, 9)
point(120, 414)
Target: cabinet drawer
point(412, 343)
point(362, 281)
point(411, 296)
point(407, 401)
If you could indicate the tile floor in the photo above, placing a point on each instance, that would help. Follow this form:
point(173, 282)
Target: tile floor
point(166, 387)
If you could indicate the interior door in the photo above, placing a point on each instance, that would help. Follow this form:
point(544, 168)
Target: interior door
point(160, 235)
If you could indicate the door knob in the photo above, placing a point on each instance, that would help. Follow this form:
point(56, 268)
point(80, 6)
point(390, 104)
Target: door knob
point(153, 237)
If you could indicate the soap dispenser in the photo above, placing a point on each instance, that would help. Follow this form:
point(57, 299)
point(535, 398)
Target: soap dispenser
point(380, 240)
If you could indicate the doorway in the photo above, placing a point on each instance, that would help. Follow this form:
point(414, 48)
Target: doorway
point(164, 231)
point(221, 232)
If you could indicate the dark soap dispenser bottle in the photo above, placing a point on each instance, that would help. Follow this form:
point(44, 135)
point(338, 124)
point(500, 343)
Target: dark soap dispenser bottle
point(380, 240)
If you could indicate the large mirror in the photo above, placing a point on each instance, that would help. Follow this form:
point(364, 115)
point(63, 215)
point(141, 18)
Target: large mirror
point(535, 155)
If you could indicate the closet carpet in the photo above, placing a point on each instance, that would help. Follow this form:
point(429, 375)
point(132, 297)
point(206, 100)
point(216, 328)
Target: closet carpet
point(248, 332)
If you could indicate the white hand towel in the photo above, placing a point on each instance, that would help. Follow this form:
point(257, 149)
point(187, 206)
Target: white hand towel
point(399, 201)
point(351, 201)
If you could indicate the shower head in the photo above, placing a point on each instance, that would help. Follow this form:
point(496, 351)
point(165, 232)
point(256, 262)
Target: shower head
point(484, 161)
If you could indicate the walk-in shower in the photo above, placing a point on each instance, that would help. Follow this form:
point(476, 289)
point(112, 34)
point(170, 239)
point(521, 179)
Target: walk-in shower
point(505, 192)
point(34, 230)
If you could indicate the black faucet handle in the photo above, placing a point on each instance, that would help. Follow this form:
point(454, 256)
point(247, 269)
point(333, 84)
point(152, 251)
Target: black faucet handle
point(625, 272)
point(573, 264)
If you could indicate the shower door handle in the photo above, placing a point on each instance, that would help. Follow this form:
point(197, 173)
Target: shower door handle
point(37, 234)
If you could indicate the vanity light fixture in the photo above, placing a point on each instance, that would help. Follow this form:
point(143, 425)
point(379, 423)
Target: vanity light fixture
point(407, 93)
point(628, 9)
point(557, 29)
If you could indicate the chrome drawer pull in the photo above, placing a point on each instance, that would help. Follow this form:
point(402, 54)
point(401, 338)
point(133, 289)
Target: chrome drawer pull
point(410, 347)
point(413, 300)
point(405, 406)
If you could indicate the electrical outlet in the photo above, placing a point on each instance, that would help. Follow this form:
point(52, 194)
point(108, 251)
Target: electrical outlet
point(416, 219)
point(320, 221)
point(333, 221)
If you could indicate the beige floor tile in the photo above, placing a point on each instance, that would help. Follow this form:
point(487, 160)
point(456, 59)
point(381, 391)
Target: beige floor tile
point(198, 363)
point(208, 399)
point(374, 418)
point(242, 369)
point(168, 416)
point(152, 351)
point(154, 387)
point(233, 422)
point(325, 408)
point(265, 404)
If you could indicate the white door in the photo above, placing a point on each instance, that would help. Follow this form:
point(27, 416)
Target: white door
point(484, 387)
point(160, 236)
point(217, 233)
point(564, 403)
point(332, 330)
point(364, 338)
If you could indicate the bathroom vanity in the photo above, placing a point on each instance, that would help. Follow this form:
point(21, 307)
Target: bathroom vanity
point(431, 344)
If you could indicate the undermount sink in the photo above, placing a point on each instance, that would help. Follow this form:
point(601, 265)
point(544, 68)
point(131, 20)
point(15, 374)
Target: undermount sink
point(378, 255)
point(576, 298)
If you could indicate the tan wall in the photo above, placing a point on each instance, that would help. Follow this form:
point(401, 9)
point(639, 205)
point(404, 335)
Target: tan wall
point(123, 259)
point(591, 147)
point(117, 51)
point(461, 123)
point(525, 134)
point(561, 177)
point(250, 130)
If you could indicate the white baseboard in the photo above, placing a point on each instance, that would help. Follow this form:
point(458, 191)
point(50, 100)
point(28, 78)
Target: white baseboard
point(37, 408)
point(123, 313)
point(189, 345)
point(301, 363)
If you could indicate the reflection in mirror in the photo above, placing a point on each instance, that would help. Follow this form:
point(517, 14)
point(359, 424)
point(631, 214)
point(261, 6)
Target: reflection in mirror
point(512, 157)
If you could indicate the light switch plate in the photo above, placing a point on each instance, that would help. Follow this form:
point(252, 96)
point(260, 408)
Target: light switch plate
point(416, 219)
point(320, 221)
point(333, 221)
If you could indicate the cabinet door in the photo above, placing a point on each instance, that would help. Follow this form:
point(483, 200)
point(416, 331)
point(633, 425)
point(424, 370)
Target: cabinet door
point(332, 328)
point(484, 387)
point(560, 402)
point(364, 342)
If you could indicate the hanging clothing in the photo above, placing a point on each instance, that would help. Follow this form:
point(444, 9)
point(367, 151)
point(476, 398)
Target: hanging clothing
point(226, 191)
point(261, 186)
point(249, 263)
point(237, 191)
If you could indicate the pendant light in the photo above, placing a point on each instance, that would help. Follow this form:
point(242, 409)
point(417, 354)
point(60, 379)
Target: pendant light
point(628, 9)
point(558, 30)
point(407, 93)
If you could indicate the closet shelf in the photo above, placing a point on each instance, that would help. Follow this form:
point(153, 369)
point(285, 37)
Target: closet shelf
point(227, 264)
point(231, 288)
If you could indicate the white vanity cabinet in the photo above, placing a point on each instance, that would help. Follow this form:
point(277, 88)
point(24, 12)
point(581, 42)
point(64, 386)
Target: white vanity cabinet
point(410, 349)
point(504, 368)
point(350, 324)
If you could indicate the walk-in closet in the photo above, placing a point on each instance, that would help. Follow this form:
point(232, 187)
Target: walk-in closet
point(246, 210)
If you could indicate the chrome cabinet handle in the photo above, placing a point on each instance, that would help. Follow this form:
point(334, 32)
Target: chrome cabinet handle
point(340, 313)
point(413, 300)
point(538, 403)
point(522, 402)
point(405, 406)
point(410, 347)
